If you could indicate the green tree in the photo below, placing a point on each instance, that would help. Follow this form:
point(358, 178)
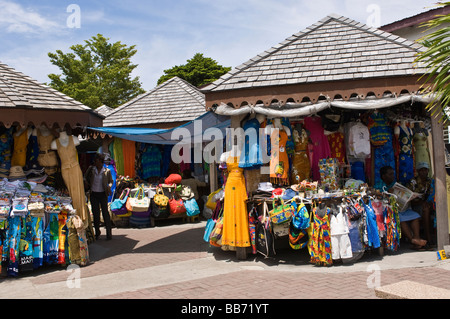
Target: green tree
point(96, 73)
point(197, 71)
point(436, 58)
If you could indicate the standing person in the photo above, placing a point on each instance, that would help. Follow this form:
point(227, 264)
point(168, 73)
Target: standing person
point(99, 180)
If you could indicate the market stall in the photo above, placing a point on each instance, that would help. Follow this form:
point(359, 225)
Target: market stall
point(345, 100)
point(142, 147)
point(44, 219)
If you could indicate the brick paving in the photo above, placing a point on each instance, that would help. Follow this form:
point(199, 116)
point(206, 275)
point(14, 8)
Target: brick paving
point(288, 276)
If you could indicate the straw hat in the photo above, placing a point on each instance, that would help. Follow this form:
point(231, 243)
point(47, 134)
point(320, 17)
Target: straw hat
point(16, 172)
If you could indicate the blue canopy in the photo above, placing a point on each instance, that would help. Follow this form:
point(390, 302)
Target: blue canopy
point(195, 129)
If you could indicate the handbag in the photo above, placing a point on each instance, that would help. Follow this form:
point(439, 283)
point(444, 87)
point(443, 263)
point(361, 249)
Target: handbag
point(160, 199)
point(281, 213)
point(176, 206)
point(139, 202)
point(301, 219)
point(264, 238)
point(192, 208)
point(173, 179)
point(216, 234)
point(118, 203)
point(186, 192)
point(210, 223)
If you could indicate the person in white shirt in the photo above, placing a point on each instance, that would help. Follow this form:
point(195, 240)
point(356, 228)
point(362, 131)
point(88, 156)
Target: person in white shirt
point(98, 181)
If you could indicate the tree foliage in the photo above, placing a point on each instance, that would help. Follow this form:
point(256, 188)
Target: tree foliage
point(96, 73)
point(436, 58)
point(198, 71)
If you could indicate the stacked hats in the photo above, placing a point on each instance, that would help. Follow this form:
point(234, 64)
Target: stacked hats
point(16, 173)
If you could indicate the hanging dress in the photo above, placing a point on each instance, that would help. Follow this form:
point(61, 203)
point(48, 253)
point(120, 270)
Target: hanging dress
point(300, 163)
point(32, 153)
point(381, 138)
point(235, 231)
point(337, 146)
point(421, 150)
point(47, 157)
point(129, 156)
point(279, 161)
point(19, 155)
point(320, 147)
point(251, 157)
point(393, 229)
point(405, 157)
point(73, 177)
point(6, 142)
point(320, 242)
point(371, 225)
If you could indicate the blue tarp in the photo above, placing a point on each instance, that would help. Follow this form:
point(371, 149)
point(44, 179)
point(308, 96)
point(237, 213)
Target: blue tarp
point(194, 128)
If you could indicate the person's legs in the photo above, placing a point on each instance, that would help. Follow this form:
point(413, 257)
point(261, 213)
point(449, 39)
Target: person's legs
point(95, 206)
point(411, 230)
point(105, 213)
point(426, 220)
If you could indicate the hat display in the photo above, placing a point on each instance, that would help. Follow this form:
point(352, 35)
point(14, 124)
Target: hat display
point(16, 173)
point(265, 186)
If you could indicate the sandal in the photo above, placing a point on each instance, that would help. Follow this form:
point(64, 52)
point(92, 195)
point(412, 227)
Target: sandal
point(418, 248)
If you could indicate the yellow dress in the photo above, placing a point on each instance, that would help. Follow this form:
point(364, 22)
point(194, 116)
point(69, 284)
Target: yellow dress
point(300, 162)
point(19, 155)
point(73, 177)
point(235, 231)
point(279, 161)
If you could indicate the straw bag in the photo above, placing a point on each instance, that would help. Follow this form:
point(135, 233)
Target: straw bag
point(139, 202)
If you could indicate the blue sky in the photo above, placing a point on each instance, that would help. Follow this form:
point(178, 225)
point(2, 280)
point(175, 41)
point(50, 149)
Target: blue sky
point(168, 33)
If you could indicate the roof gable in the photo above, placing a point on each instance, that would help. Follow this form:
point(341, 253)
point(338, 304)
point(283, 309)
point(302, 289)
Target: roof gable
point(173, 101)
point(335, 48)
point(18, 90)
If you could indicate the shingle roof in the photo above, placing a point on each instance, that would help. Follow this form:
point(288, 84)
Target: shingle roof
point(104, 110)
point(19, 90)
point(335, 48)
point(173, 101)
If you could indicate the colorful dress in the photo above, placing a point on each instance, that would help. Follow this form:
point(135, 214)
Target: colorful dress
point(235, 217)
point(279, 160)
point(421, 150)
point(405, 158)
point(320, 243)
point(320, 147)
point(337, 146)
point(151, 162)
point(381, 138)
point(300, 163)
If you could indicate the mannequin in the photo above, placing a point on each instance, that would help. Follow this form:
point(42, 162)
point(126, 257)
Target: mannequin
point(71, 172)
point(47, 156)
point(64, 139)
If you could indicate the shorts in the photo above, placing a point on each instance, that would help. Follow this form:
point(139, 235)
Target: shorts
point(341, 247)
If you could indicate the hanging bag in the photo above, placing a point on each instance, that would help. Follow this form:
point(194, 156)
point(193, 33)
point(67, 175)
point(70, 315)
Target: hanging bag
point(120, 202)
point(264, 237)
point(160, 202)
point(211, 223)
point(176, 206)
point(139, 202)
point(281, 213)
point(191, 206)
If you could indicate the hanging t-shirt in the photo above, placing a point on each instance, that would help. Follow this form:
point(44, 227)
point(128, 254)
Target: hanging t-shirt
point(358, 140)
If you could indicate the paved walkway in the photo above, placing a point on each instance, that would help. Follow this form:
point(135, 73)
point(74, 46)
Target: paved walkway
point(171, 261)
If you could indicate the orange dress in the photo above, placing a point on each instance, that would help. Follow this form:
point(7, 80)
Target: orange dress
point(235, 232)
point(73, 177)
point(279, 161)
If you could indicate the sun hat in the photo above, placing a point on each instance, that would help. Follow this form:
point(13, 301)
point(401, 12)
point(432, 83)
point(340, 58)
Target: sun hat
point(265, 186)
point(16, 172)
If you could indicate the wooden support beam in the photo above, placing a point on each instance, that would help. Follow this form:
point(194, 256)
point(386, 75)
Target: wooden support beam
point(440, 178)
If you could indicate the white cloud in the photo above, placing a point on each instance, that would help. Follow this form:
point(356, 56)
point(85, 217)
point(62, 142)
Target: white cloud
point(16, 19)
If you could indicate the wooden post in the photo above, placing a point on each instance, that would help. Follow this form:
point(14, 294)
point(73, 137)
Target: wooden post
point(440, 179)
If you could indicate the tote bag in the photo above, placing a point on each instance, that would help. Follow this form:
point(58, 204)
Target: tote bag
point(139, 202)
point(176, 206)
point(192, 208)
point(281, 213)
point(118, 203)
point(264, 238)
